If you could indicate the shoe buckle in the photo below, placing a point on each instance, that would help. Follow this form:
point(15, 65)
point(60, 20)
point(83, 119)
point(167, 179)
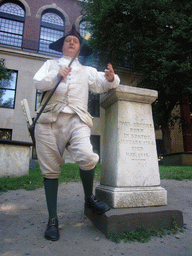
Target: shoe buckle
point(52, 222)
point(94, 198)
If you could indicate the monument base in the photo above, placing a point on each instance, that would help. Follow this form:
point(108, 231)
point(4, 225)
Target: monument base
point(129, 219)
point(125, 197)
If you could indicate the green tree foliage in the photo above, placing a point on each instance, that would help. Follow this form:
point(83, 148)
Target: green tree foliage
point(151, 37)
point(4, 72)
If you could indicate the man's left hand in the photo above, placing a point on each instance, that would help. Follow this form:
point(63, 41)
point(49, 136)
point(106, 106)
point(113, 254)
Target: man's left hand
point(109, 73)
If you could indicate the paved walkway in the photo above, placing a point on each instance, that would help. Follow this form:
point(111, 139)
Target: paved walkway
point(23, 218)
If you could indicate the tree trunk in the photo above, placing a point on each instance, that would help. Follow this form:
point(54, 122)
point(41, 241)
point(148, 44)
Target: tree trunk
point(186, 124)
point(166, 139)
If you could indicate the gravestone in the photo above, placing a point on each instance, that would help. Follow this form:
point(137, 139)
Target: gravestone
point(130, 180)
point(130, 173)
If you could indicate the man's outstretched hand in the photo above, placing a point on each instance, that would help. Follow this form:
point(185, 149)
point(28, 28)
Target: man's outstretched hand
point(109, 73)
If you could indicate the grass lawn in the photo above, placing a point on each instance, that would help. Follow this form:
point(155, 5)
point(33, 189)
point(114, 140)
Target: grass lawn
point(176, 172)
point(70, 172)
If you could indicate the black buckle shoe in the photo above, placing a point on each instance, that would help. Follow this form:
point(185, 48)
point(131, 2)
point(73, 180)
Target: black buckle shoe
point(96, 205)
point(52, 230)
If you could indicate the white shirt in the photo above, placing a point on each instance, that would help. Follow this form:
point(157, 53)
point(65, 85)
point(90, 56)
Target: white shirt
point(73, 91)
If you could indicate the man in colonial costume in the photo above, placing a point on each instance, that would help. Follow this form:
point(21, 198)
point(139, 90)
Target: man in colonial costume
point(65, 122)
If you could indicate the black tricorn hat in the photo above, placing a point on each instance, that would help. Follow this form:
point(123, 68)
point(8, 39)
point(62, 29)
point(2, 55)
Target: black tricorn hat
point(86, 49)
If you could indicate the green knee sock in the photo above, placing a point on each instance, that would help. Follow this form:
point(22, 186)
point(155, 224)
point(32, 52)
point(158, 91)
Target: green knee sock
point(51, 189)
point(87, 178)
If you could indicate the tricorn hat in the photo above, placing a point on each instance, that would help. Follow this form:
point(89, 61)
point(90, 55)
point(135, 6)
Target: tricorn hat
point(86, 49)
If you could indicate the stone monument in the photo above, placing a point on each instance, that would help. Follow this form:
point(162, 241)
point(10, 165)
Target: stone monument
point(130, 172)
point(130, 180)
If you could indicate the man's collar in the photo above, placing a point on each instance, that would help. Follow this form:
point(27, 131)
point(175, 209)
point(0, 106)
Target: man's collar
point(65, 60)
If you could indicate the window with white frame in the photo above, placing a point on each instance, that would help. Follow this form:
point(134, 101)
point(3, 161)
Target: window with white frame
point(8, 91)
point(52, 28)
point(12, 17)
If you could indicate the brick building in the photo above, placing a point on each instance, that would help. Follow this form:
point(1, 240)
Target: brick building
point(26, 30)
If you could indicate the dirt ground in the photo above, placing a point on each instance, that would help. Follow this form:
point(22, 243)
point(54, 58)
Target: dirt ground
point(23, 218)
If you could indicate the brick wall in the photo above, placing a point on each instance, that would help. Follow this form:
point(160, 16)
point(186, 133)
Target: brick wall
point(70, 8)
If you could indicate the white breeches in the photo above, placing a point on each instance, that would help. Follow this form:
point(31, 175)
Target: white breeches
point(67, 132)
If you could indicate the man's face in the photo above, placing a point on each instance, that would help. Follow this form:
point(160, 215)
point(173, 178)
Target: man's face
point(70, 46)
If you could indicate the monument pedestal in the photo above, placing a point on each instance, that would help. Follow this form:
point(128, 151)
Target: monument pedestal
point(130, 180)
point(130, 172)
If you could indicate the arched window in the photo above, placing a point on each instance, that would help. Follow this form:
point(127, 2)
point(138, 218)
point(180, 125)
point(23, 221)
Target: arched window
point(52, 28)
point(84, 27)
point(12, 17)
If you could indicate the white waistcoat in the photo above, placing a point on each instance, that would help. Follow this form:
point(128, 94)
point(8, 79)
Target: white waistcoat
point(73, 91)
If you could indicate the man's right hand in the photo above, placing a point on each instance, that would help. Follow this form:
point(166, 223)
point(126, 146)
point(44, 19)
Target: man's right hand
point(63, 72)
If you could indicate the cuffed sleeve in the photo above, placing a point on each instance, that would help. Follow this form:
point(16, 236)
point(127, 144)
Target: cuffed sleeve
point(98, 83)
